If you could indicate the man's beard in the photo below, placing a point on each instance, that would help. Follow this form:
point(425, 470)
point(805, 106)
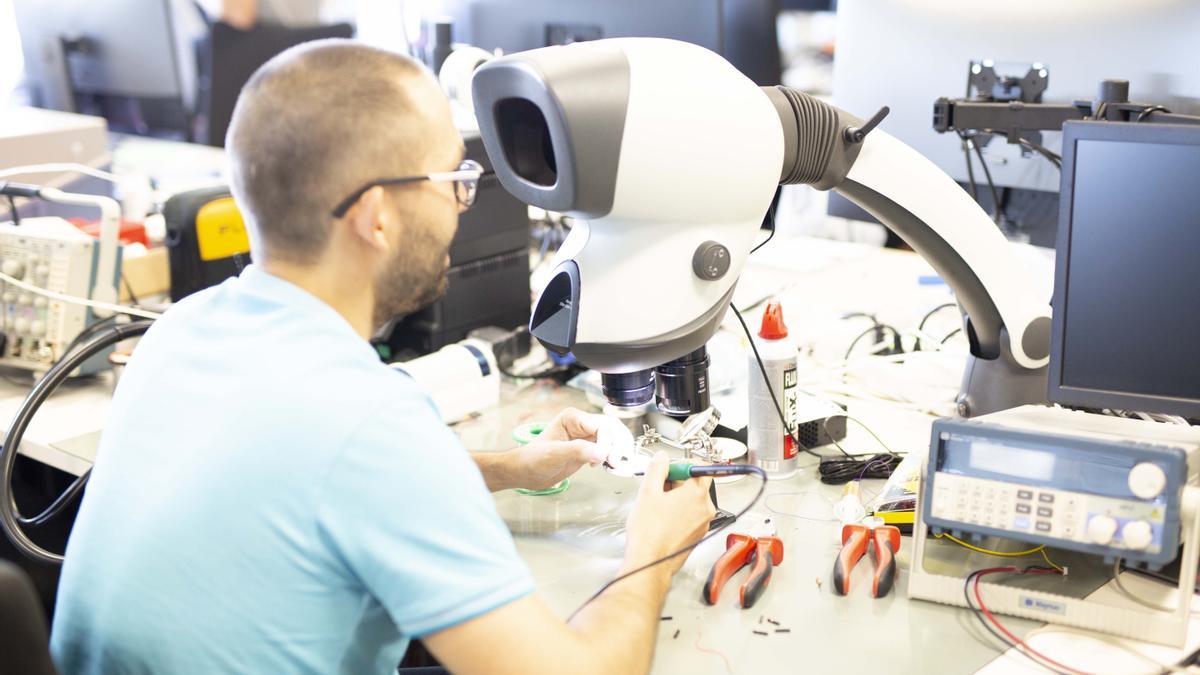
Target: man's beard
point(413, 279)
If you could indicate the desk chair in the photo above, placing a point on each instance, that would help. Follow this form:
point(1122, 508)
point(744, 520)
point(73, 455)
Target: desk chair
point(233, 56)
point(24, 641)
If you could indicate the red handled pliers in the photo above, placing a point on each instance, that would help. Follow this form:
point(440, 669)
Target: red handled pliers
point(762, 551)
point(855, 541)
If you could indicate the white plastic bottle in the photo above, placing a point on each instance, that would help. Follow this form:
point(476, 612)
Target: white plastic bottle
point(771, 447)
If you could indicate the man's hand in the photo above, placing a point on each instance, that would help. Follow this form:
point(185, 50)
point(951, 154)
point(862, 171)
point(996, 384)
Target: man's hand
point(666, 517)
point(563, 447)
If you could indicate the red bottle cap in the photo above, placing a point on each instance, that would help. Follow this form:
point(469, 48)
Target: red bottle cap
point(773, 327)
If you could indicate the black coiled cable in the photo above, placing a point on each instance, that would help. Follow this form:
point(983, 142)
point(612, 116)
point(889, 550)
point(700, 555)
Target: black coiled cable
point(10, 516)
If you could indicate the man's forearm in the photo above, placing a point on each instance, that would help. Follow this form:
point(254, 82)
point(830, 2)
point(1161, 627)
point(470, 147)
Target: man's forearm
point(613, 634)
point(497, 469)
point(622, 624)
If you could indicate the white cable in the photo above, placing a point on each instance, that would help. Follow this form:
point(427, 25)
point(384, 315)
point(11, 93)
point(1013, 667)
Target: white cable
point(928, 341)
point(61, 167)
point(62, 297)
point(1119, 644)
point(1129, 594)
point(863, 361)
point(834, 367)
point(844, 391)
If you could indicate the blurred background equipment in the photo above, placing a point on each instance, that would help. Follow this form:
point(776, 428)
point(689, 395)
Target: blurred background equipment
point(206, 239)
point(52, 254)
point(940, 39)
point(118, 60)
point(56, 280)
point(743, 31)
point(33, 136)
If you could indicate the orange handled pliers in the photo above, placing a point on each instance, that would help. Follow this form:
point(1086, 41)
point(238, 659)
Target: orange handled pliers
point(762, 551)
point(855, 541)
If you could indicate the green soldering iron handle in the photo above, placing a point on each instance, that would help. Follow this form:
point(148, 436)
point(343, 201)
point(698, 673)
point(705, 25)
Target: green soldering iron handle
point(686, 470)
point(679, 471)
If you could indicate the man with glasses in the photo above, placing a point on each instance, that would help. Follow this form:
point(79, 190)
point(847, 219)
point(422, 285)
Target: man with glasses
point(268, 497)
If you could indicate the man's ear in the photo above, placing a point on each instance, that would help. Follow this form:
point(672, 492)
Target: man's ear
point(369, 221)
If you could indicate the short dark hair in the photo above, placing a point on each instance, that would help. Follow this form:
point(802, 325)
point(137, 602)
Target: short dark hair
point(311, 126)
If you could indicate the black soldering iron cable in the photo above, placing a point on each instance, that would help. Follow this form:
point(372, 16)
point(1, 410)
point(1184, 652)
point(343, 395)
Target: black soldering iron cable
point(736, 468)
point(769, 220)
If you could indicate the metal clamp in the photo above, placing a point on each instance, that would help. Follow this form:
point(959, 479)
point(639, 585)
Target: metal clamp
point(695, 439)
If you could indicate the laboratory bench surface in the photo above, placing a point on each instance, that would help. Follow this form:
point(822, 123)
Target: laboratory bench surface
point(573, 543)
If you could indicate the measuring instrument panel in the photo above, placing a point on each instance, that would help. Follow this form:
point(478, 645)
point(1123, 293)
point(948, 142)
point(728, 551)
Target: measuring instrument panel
point(1067, 479)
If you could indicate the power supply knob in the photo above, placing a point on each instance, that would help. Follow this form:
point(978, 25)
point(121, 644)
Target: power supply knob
point(1137, 534)
point(13, 268)
point(1100, 530)
point(1146, 480)
point(41, 271)
point(40, 302)
point(21, 326)
point(37, 328)
point(9, 297)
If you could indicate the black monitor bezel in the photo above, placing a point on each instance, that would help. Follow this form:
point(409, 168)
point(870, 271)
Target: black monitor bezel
point(1060, 392)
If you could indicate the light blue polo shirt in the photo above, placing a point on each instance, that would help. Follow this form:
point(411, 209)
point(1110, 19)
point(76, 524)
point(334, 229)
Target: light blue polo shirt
point(269, 498)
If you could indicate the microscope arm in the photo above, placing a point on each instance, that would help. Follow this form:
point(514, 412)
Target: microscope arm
point(934, 215)
point(830, 149)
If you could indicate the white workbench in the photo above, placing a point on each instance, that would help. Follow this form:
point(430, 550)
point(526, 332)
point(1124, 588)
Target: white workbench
point(573, 541)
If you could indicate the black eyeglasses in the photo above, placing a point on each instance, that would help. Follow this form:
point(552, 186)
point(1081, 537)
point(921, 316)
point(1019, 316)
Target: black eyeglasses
point(465, 179)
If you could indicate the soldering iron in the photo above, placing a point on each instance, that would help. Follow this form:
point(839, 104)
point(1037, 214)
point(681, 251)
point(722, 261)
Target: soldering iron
point(686, 470)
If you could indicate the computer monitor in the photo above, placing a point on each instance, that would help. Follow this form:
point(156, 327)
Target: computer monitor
point(1125, 320)
point(744, 31)
point(119, 58)
point(906, 53)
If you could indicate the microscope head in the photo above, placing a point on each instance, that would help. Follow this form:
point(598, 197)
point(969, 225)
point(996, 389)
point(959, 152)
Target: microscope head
point(668, 159)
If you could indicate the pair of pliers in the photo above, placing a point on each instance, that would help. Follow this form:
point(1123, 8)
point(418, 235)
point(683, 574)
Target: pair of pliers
point(761, 550)
point(855, 541)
